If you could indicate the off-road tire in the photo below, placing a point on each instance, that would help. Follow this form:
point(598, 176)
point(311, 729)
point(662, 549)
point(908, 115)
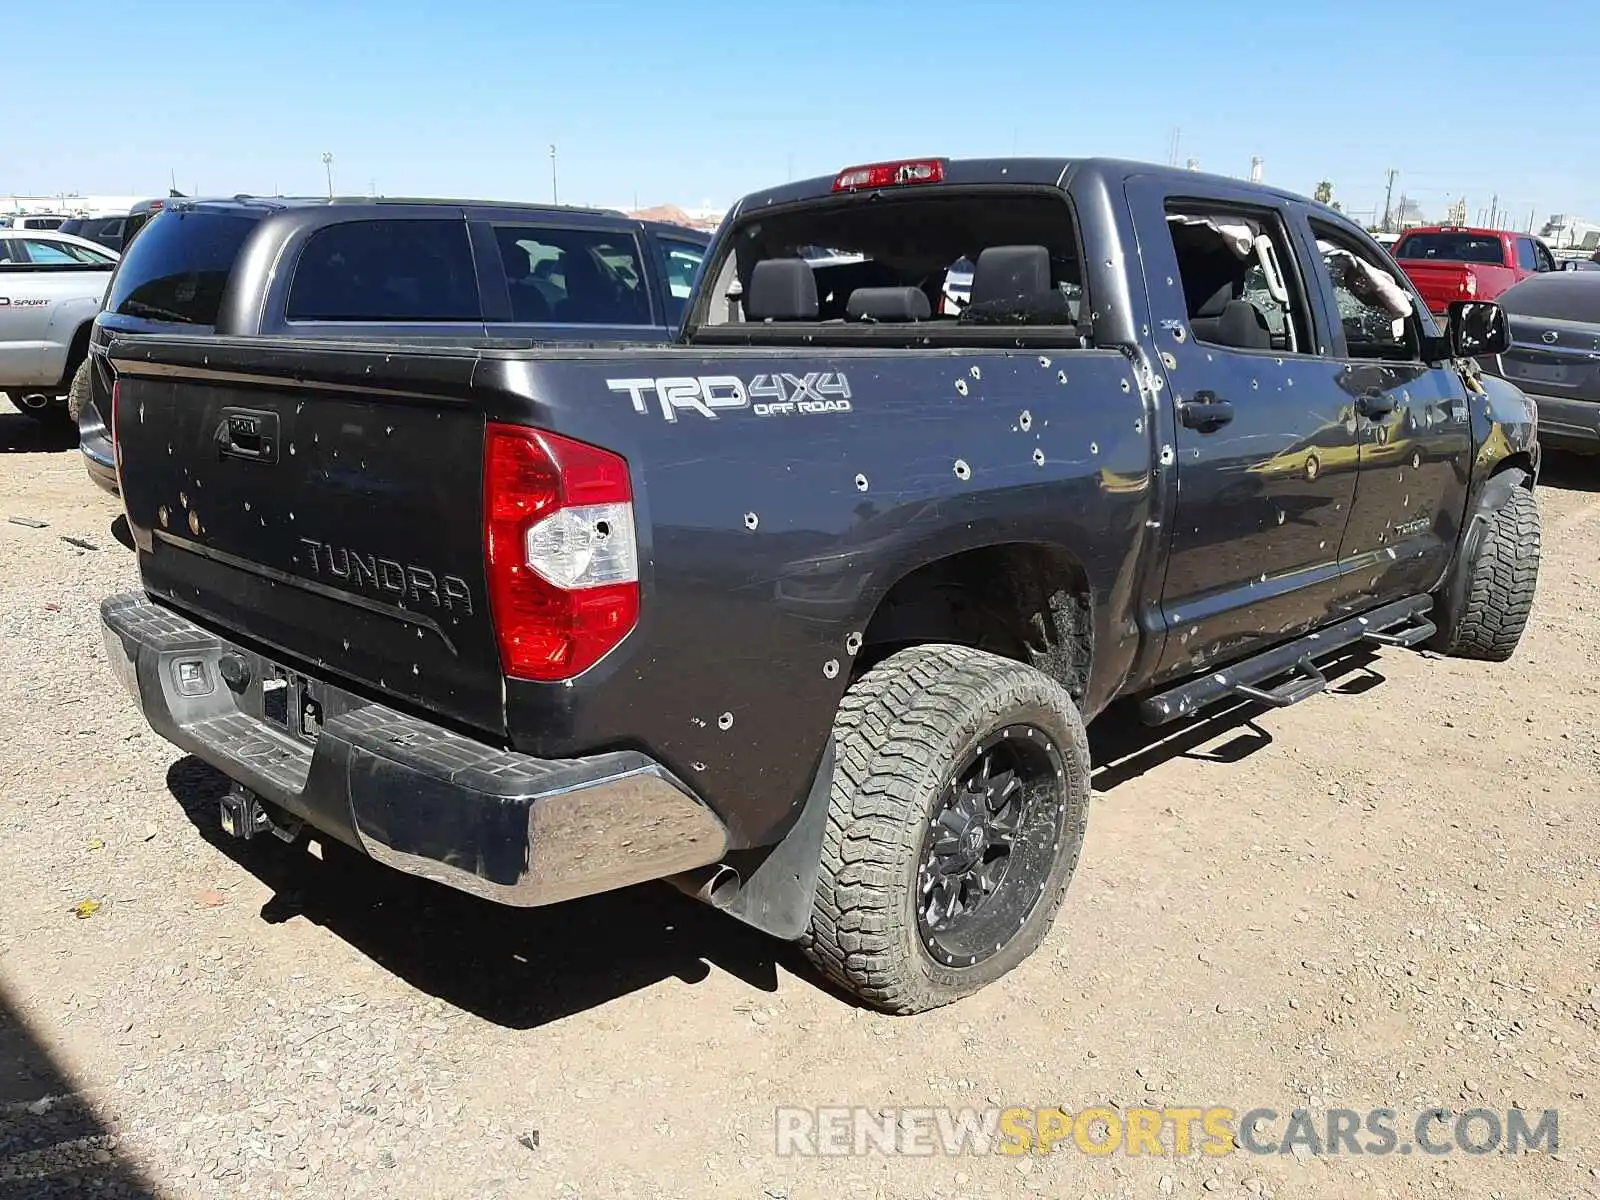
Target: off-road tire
point(1500, 587)
point(78, 392)
point(901, 732)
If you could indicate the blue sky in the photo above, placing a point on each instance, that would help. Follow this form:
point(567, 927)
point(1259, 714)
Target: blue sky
point(698, 102)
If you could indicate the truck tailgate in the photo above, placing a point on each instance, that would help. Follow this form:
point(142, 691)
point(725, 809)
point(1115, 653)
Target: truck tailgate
point(1440, 282)
point(339, 527)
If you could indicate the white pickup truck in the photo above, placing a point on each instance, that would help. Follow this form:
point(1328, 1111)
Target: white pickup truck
point(51, 285)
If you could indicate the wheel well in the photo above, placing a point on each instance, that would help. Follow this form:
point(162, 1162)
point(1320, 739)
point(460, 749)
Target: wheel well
point(1019, 600)
point(1521, 460)
point(77, 351)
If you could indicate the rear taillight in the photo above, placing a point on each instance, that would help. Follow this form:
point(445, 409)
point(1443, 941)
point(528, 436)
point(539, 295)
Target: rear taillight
point(1470, 284)
point(562, 556)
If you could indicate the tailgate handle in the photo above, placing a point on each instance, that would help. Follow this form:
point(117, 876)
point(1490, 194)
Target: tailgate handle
point(248, 433)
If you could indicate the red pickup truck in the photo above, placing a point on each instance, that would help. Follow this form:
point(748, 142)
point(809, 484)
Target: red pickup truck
point(1449, 262)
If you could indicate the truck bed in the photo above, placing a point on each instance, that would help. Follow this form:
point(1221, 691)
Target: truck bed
point(778, 494)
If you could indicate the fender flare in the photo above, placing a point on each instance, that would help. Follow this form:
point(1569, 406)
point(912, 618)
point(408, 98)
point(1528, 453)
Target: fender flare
point(1494, 496)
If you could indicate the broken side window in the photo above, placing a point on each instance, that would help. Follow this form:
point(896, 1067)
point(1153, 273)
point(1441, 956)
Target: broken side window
point(1236, 286)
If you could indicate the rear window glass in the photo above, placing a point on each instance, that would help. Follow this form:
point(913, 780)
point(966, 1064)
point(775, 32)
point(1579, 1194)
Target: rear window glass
point(573, 276)
point(928, 260)
point(394, 270)
point(177, 269)
point(1452, 247)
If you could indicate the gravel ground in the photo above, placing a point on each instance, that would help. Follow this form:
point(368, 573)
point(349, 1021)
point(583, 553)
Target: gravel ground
point(1385, 897)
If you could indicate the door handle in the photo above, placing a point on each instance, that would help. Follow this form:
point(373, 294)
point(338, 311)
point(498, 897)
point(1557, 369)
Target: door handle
point(1205, 412)
point(248, 433)
point(1373, 405)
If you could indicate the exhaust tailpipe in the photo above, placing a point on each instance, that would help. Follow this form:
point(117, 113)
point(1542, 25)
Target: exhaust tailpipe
point(35, 400)
point(716, 886)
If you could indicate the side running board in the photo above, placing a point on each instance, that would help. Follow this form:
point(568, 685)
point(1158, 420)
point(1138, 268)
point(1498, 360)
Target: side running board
point(1403, 623)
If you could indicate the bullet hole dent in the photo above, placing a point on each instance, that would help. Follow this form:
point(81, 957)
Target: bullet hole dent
point(830, 669)
point(852, 645)
point(194, 523)
point(141, 412)
point(963, 472)
point(164, 516)
point(977, 371)
point(961, 387)
point(725, 722)
point(1025, 421)
point(862, 483)
point(697, 766)
point(1167, 456)
point(1138, 426)
point(292, 450)
point(1127, 386)
point(1044, 361)
point(1038, 457)
point(1094, 447)
point(1061, 378)
point(1168, 361)
point(751, 521)
point(1180, 334)
point(183, 499)
point(1280, 516)
point(1255, 385)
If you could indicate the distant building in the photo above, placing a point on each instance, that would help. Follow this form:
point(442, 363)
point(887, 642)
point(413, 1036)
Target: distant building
point(689, 218)
point(1565, 232)
point(68, 202)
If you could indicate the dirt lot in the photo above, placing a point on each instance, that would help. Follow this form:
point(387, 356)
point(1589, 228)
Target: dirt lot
point(1386, 897)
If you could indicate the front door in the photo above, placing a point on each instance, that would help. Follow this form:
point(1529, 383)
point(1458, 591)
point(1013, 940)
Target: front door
point(1264, 440)
point(1415, 435)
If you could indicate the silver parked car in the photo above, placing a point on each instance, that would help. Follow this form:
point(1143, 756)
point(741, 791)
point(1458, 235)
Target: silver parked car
point(1554, 321)
point(51, 286)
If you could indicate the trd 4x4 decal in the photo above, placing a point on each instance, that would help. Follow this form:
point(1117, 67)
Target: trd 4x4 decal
point(778, 394)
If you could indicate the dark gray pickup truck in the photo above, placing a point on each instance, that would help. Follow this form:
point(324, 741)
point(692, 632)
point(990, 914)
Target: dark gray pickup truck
point(808, 613)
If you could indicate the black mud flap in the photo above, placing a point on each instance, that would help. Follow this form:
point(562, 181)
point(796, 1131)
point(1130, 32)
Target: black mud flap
point(777, 883)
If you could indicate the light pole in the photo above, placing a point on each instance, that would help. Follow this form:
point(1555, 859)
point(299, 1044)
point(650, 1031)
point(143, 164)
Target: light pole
point(327, 163)
point(554, 195)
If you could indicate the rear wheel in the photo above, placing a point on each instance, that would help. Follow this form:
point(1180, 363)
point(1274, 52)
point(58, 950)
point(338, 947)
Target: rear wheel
point(78, 393)
point(1500, 588)
point(959, 803)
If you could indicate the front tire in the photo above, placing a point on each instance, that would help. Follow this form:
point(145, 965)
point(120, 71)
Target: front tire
point(960, 797)
point(1500, 588)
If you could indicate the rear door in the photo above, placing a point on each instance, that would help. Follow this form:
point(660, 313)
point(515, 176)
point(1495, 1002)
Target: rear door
point(567, 281)
point(1265, 447)
point(1411, 420)
point(337, 525)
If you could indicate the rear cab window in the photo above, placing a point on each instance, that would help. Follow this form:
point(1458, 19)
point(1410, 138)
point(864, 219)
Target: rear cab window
point(383, 271)
point(949, 265)
point(572, 276)
point(177, 269)
point(1483, 248)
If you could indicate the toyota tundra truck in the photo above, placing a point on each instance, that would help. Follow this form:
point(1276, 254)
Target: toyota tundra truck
point(807, 611)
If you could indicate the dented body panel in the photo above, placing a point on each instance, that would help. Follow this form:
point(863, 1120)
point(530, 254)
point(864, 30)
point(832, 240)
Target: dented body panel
point(781, 492)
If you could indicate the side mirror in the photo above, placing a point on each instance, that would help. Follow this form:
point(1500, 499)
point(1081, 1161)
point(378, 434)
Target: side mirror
point(1477, 329)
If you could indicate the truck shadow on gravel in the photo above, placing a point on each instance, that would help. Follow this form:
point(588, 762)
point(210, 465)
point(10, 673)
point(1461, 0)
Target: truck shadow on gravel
point(24, 435)
point(520, 968)
point(523, 968)
point(51, 1142)
point(1122, 748)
